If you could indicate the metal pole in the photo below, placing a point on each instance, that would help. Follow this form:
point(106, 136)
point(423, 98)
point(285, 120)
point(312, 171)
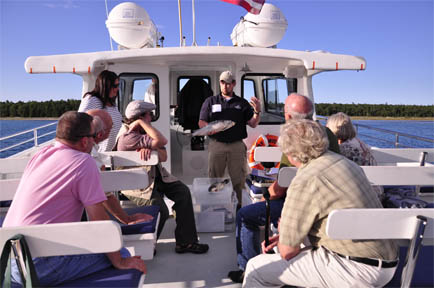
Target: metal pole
point(106, 12)
point(35, 136)
point(180, 23)
point(194, 24)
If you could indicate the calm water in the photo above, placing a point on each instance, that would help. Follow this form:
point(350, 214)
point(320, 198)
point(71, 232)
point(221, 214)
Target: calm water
point(9, 127)
point(417, 128)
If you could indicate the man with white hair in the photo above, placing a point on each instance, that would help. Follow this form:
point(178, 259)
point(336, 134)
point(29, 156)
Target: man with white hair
point(325, 181)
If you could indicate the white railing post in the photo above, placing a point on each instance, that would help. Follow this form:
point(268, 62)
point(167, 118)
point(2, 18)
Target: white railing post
point(35, 136)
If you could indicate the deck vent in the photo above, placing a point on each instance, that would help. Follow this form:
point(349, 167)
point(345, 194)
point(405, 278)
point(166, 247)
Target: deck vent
point(131, 27)
point(263, 30)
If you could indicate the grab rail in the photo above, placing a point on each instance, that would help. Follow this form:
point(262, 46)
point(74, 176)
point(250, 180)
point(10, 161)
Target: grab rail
point(34, 138)
point(397, 135)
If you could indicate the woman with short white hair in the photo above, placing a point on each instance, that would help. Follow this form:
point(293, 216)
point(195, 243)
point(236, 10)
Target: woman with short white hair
point(349, 144)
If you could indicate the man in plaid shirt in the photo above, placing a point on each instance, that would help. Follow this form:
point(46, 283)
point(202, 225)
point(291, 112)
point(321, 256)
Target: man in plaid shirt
point(325, 181)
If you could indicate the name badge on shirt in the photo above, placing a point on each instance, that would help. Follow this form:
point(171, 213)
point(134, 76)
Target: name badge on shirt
point(216, 108)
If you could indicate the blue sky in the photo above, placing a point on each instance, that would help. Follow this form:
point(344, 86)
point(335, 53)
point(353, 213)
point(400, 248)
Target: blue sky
point(394, 36)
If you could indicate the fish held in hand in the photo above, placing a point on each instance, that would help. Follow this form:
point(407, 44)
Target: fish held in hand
point(214, 127)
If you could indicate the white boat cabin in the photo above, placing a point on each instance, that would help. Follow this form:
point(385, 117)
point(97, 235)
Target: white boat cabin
point(178, 79)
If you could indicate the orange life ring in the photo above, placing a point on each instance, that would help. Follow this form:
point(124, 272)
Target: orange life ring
point(262, 141)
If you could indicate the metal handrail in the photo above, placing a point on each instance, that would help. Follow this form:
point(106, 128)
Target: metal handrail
point(397, 135)
point(34, 138)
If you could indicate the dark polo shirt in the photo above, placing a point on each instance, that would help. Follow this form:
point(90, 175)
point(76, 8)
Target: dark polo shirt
point(236, 109)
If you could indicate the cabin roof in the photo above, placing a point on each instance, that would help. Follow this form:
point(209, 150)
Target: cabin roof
point(85, 63)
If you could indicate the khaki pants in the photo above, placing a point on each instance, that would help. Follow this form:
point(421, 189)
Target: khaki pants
point(313, 268)
point(230, 155)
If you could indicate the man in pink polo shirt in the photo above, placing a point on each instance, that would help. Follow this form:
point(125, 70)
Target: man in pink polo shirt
point(58, 183)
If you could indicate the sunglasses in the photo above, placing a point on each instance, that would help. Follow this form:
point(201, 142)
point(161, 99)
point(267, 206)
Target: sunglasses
point(115, 85)
point(150, 112)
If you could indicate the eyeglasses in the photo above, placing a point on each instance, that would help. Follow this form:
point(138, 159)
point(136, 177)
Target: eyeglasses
point(115, 85)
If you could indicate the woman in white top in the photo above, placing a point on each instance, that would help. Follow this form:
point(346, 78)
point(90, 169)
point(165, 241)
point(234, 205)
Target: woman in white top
point(103, 96)
point(349, 145)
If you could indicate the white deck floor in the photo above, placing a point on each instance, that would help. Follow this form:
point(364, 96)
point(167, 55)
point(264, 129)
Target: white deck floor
point(169, 269)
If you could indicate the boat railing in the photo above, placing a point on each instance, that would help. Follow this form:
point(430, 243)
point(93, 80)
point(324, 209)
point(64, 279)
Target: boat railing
point(396, 134)
point(35, 138)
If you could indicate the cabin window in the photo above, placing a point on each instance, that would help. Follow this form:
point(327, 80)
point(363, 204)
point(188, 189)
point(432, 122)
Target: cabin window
point(138, 86)
point(191, 93)
point(272, 94)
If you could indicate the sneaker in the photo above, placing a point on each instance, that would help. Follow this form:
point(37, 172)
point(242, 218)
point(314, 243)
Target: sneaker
point(236, 276)
point(195, 248)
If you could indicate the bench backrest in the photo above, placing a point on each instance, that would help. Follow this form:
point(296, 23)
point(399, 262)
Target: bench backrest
point(127, 158)
point(111, 181)
point(390, 223)
point(379, 175)
point(68, 238)
point(14, 167)
point(384, 156)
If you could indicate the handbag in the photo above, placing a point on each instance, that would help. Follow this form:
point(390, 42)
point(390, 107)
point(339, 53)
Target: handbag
point(29, 279)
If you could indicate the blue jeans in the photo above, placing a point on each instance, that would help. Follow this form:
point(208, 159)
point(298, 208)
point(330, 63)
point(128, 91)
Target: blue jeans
point(249, 218)
point(52, 271)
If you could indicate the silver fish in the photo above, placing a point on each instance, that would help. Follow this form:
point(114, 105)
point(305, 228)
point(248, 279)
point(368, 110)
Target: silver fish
point(218, 186)
point(214, 126)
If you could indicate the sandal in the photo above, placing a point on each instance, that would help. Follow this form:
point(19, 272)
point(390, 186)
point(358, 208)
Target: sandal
point(195, 248)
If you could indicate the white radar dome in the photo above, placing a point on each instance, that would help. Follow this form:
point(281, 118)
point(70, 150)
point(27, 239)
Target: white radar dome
point(130, 26)
point(263, 30)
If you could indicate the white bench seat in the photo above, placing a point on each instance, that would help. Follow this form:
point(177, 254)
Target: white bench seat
point(77, 238)
point(138, 244)
point(413, 227)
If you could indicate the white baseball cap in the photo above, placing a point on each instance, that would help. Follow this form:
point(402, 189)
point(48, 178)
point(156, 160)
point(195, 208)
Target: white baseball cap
point(137, 108)
point(227, 77)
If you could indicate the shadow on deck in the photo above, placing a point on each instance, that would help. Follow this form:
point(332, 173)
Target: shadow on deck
point(169, 269)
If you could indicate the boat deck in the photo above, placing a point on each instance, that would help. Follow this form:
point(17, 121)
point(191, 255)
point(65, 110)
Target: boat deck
point(169, 269)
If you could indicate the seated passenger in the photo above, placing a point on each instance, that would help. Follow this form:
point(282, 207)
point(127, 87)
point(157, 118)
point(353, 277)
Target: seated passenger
point(325, 181)
point(59, 182)
point(349, 144)
point(137, 134)
point(103, 124)
point(250, 217)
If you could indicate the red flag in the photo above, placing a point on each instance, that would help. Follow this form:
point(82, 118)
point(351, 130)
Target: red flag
point(252, 6)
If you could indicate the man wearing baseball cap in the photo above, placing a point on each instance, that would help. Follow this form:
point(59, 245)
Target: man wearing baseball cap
point(226, 148)
point(139, 134)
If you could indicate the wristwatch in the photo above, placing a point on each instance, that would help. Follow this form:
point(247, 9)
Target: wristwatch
point(257, 113)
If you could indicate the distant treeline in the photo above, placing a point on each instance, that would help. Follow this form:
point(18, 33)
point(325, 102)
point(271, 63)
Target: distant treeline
point(380, 110)
point(57, 108)
point(37, 109)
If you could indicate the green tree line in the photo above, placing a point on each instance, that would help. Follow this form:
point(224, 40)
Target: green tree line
point(37, 109)
point(56, 108)
point(380, 110)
